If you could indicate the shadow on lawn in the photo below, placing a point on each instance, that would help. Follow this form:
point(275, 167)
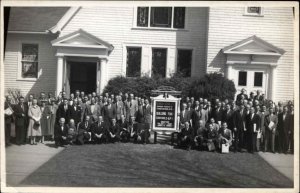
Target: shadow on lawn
point(154, 165)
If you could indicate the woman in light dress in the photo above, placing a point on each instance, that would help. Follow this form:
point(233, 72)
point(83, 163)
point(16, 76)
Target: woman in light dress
point(34, 127)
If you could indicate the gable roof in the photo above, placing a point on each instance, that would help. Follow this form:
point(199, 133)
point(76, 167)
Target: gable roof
point(34, 19)
point(253, 45)
point(81, 38)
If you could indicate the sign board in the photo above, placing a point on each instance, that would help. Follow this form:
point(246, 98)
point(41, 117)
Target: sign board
point(165, 113)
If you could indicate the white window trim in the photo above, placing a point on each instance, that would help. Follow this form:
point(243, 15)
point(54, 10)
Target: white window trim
point(261, 14)
point(193, 57)
point(19, 73)
point(134, 22)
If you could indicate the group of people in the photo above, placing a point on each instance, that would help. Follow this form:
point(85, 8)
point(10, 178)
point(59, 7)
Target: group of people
point(250, 123)
point(78, 119)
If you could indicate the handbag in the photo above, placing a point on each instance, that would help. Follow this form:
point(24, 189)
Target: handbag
point(225, 148)
point(36, 124)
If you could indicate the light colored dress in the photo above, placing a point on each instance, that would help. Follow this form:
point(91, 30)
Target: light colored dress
point(52, 119)
point(34, 130)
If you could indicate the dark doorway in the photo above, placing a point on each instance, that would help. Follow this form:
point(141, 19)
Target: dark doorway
point(83, 76)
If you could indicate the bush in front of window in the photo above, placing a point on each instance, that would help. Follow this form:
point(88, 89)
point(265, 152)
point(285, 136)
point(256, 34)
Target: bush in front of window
point(212, 86)
point(142, 86)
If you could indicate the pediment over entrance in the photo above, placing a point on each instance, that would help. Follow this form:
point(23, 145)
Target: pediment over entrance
point(253, 46)
point(83, 39)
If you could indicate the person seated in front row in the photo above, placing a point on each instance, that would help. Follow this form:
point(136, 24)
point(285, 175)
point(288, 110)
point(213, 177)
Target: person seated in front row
point(132, 127)
point(114, 132)
point(60, 133)
point(72, 132)
point(99, 131)
point(225, 136)
point(124, 129)
point(212, 137)
point(185, 136)
point(200, 135)
point(84, 131)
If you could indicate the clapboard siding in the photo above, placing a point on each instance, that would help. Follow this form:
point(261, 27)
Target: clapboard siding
point(228, 26)
point(115, 25)
point(47, 64)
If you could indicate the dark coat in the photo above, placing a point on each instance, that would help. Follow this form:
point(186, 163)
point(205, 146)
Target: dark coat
point(237, 121)
point(228, 118)
point(99, 129)
point(217, 114)
point(21, 115)
point(58, 132)
point(109, 113)
point(250, 122)
point(115, 130)
point(76, 114)
point(61, 112)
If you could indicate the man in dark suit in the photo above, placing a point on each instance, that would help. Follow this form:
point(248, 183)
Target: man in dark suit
point(218, 113)
point(8, 119)
point(60, 133)
point(283, 127)
point(238, 128)
point(84, 131)
point(185, 137)
point(124, 129)
point(76, 112)
point(99, 131)
point(21, 111)
point(227, 117)
point(114, 132)
point(252, 126)
point(109, 111)
point(64, 111)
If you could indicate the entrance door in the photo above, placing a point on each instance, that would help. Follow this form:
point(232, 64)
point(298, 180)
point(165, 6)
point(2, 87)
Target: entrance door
point(83, 76)
point(252, 80)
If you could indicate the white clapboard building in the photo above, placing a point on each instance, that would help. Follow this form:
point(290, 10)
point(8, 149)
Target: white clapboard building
point(52, 49)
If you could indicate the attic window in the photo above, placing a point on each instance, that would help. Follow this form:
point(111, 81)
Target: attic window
point(254, 11)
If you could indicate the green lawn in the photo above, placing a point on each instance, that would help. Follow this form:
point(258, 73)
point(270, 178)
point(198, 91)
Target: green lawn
point(154, 165)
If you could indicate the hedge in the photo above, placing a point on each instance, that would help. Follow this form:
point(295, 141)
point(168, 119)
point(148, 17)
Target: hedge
point(210, 86)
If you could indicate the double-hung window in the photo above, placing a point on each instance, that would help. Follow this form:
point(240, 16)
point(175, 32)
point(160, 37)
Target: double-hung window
point(161, 17)
point(29, 61)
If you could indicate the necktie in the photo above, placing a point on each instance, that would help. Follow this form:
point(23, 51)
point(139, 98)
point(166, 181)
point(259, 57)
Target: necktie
point(86, 124)
point(22, 107)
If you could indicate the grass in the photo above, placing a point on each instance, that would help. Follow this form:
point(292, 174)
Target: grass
point(154, 165)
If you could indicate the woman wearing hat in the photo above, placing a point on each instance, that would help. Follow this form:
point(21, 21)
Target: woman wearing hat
point(34, 127)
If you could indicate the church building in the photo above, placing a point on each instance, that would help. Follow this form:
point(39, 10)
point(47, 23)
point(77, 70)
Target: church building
point(50, 49)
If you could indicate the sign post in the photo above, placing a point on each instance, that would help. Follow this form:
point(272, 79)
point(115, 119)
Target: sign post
point(165, 114)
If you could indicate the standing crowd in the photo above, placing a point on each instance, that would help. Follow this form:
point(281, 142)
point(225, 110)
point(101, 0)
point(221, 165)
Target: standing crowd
point(250, 123)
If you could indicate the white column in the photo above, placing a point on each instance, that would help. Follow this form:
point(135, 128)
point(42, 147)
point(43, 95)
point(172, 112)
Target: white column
point(103, 72)
point(59, 74)
point(273, 82)
point(229, 72)
point(98, 76)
